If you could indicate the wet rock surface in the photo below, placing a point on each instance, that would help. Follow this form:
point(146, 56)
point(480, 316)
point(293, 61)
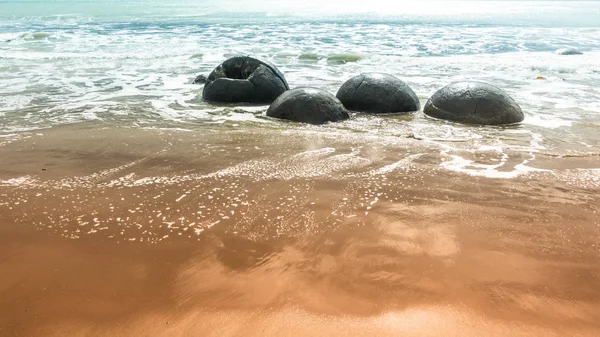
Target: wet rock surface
point(378, 93)
point(308, 105)
point(244, 79)
point(473, 103)
point(200, 79)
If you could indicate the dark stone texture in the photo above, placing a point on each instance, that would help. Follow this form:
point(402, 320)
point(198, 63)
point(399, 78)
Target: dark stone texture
point(308, 105)
point(244, 79)
point(201, 79)
point(473, 103)
point(378, 93)
point(569, 51)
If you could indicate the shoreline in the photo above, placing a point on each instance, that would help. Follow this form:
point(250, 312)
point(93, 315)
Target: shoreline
point(257, 233)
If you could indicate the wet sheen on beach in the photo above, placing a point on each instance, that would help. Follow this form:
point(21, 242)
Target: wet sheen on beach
point(110, 231)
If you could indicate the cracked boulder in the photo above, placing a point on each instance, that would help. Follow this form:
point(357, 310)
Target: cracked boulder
point(244, 79)
point(308, 105)
point(473, 103)
point(378, 93)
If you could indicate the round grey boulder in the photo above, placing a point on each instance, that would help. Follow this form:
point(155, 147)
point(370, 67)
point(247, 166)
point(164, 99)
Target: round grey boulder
point(378, 93)
point(569, 51)
point(308, 105)
point(244, 79)
point(473, 103)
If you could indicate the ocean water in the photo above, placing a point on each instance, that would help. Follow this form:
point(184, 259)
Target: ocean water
point(131, 63)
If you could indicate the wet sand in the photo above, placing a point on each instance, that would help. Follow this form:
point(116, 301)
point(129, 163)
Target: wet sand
point(257, 232)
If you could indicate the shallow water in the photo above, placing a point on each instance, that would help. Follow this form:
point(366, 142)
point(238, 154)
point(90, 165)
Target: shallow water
point(132, 64)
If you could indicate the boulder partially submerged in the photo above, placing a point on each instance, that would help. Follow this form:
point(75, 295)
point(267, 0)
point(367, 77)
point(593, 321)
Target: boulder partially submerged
point(378, 93)
point(244, 79)
point(308, 105)
point(473, 103)
point(200, 79)
point(569, 51)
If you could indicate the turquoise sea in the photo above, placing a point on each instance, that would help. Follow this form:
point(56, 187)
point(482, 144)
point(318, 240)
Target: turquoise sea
point(131, 63)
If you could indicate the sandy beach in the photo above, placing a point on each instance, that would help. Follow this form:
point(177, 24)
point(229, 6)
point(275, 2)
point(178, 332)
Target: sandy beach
point(113, 231)
point(133, 202)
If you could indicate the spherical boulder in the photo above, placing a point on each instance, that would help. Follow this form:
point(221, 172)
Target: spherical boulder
point(378, 93)
point(569, 51)
point(308, 105)
point(244, 79)
point(473, 103)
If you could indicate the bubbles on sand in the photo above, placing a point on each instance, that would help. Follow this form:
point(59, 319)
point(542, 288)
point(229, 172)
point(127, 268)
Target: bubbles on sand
point(581, 178)
point(259, 198)
point(490, 162)
point(184, 184)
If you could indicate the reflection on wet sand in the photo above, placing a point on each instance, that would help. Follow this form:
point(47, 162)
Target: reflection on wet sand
point(171, 233)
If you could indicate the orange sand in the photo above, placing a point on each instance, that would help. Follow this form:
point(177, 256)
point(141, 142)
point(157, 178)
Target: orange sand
point(217, 232)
